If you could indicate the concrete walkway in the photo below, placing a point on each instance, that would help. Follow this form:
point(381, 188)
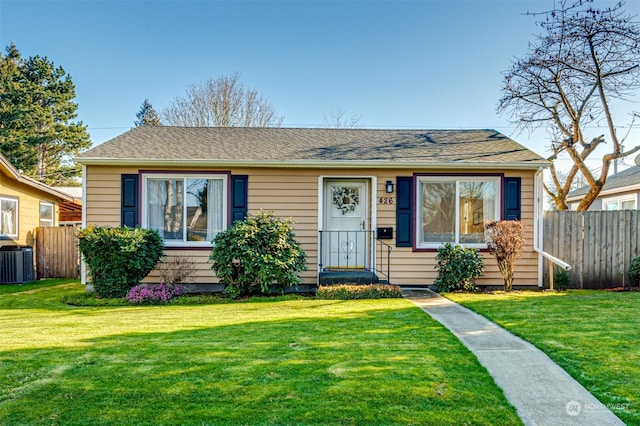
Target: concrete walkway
point(541, 391)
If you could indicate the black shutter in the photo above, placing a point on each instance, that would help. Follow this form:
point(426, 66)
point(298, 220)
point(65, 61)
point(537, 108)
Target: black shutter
point(239, 197)
point(404, 211)
point(129, 201)
point(512, 210)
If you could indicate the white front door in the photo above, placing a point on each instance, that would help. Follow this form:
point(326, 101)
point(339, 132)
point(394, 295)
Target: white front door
point(346, 236)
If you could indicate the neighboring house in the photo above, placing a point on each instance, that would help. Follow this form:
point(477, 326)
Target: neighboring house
point(620, 192)
point(71, 211)
point(25, 204)
point(351, 192)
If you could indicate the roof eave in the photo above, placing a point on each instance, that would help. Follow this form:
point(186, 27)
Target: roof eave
point(46, 188)
point(19, 177)
point(605, 192)
point(359, 164)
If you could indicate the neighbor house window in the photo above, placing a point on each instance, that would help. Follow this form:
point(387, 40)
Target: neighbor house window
point(612, 204)
point(46, 214)
point(9, 217)
point(628, 205)
point(455, 209)
point(185, 209)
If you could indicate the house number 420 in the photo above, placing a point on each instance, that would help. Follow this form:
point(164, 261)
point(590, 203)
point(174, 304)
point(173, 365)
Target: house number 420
point(385, 200)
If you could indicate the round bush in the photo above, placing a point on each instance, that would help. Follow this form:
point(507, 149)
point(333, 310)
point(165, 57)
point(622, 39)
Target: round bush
point(119, 258)
point(458, 267)
point(257, 254)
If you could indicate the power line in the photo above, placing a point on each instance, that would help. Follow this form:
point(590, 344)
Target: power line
point(389, 126)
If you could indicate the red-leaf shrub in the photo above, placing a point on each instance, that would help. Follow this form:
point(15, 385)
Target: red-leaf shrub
point(505, 240)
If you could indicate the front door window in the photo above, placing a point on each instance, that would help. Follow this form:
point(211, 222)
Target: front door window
point(347, 239)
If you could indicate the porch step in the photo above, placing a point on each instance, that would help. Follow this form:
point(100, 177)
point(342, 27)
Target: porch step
point(348, 277)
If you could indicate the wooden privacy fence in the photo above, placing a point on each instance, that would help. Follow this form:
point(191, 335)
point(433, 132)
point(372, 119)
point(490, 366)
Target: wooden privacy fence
point(599, 245)
point(57, 252)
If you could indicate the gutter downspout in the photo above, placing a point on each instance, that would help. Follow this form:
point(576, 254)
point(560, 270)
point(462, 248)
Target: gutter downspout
point(538, 230)
point(83, 265)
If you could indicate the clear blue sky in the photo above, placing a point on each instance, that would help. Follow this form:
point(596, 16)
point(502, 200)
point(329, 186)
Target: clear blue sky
point(418, 64)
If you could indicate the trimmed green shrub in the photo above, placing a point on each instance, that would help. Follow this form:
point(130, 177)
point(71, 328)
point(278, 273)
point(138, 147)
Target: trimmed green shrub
point(256, 255)
point(358, 291)
point(458, 268)
point(634, 272)
point(119, 258)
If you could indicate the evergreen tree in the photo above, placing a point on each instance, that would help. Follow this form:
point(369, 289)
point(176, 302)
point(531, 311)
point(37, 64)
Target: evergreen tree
point(38, 131)
point(147, 116)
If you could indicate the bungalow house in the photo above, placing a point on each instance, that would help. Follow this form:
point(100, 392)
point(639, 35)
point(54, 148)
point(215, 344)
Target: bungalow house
point(620, 192)
point(376, 202)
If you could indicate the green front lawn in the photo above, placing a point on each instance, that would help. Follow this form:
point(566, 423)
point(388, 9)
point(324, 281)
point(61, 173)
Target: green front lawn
point(593, 335)
point(265, 362)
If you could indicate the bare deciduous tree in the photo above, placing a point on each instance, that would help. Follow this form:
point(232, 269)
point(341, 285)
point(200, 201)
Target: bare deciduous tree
point(585, 60)
point(337, 119)
point(223, 102)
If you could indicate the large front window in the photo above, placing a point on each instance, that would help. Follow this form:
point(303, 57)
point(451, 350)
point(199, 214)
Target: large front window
point(185, 210)
point(9, 217)
point(455, 209)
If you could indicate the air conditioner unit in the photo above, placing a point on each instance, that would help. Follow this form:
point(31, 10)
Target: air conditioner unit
point(16, 265)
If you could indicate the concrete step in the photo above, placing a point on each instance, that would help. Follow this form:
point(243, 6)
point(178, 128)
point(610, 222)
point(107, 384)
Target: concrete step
point(348, 277)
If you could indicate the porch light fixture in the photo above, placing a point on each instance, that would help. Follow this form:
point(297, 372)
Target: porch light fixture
point(389, 187)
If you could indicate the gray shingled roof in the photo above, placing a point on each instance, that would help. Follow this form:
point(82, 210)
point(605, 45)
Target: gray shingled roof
point(628, 177)
point(297, 146)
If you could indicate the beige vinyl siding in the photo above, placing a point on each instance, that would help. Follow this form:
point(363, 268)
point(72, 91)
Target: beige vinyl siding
point(294, 193)
point(29, 200)
point(418, 268)
point(102, 194)
point(200, 259)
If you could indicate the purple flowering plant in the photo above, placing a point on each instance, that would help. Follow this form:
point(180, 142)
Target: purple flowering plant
point(156, 294)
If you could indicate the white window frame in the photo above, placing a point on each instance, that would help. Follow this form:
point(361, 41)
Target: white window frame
point(53, 214)
point(619, 200)
point(145, 209)
point(497, 180)
point(17, 213)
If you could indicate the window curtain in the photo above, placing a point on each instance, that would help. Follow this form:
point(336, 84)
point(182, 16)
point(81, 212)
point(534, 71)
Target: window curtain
point(157, 199)
point(9, 221)
point(489, 202)
point(214, 209)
